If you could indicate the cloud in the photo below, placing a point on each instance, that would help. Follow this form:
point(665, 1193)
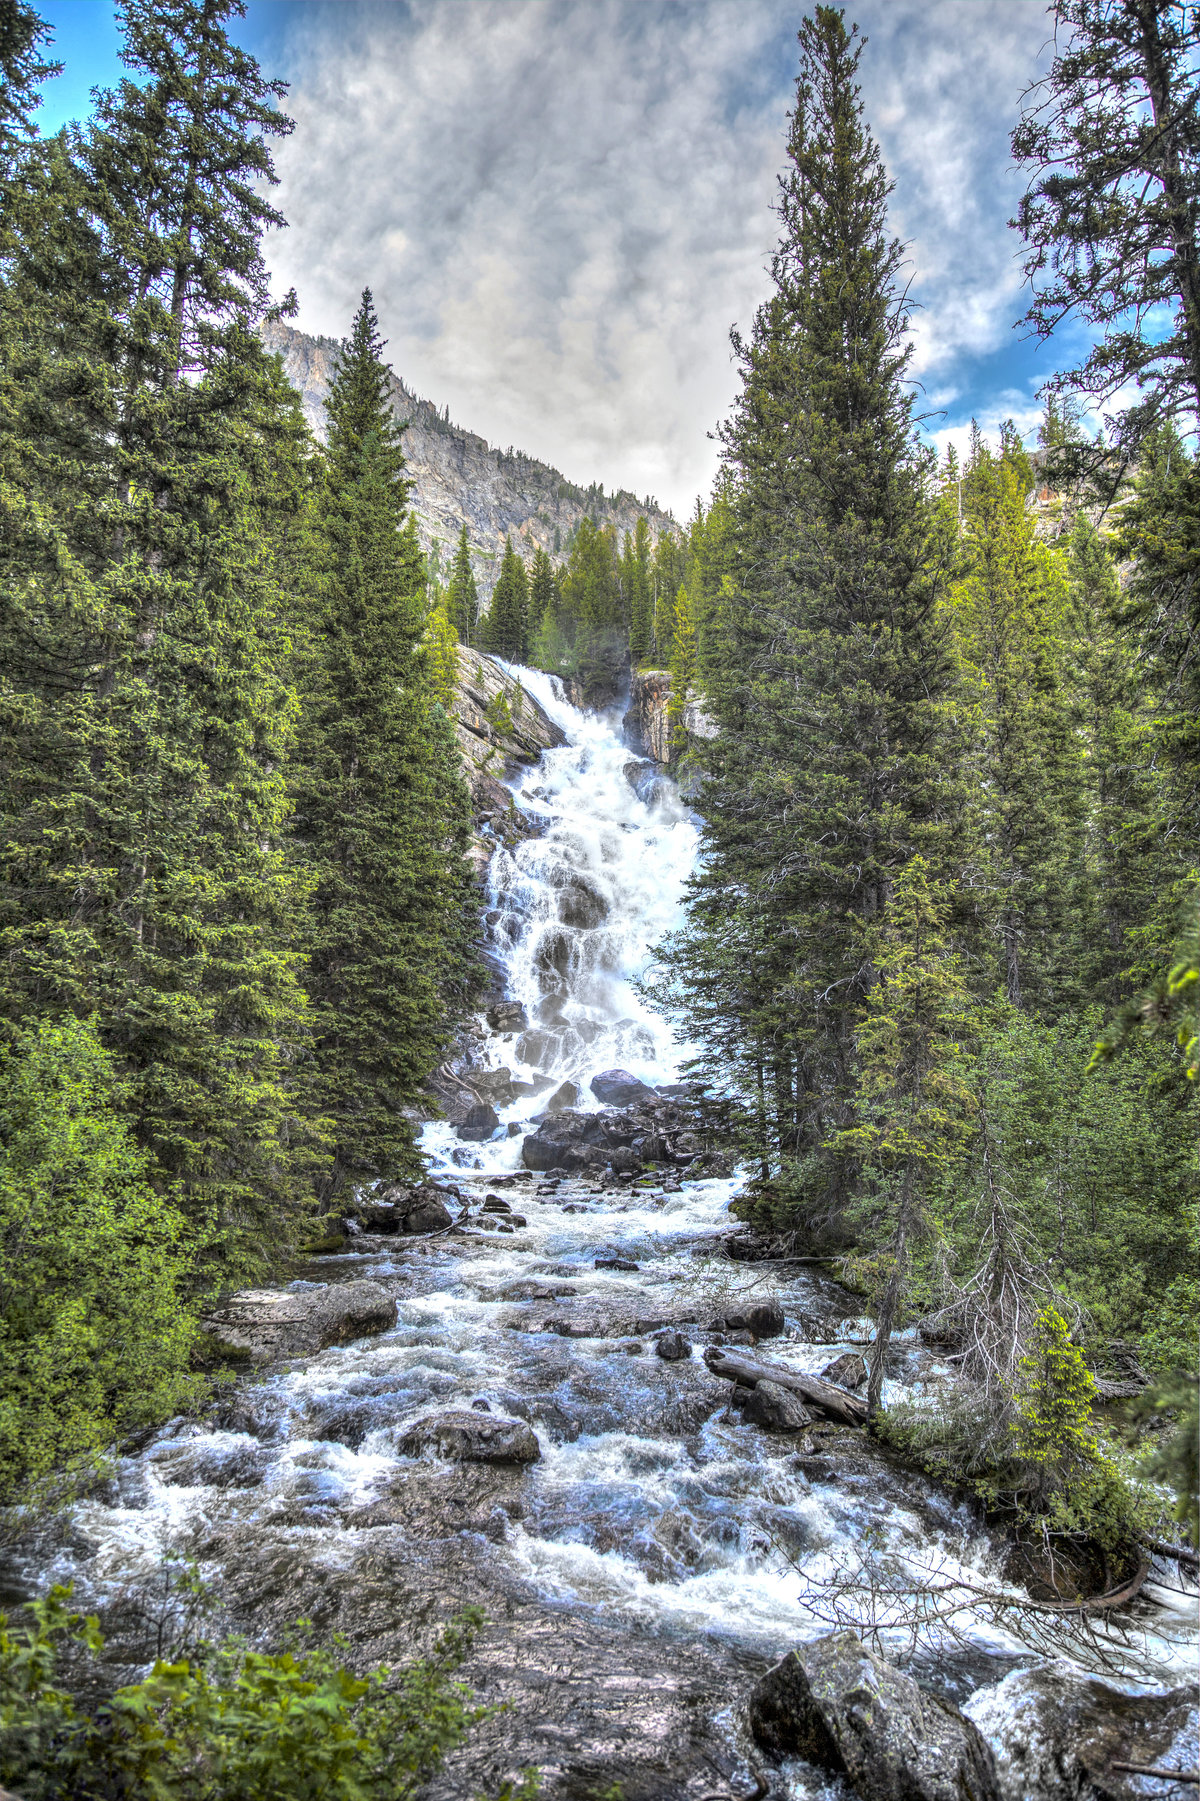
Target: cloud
point(563, 205)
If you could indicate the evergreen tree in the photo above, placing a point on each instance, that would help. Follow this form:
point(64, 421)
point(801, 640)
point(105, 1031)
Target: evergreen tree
point(381, 810)
point(683, 670)
point(462, 598)
point(1010, 621)
point(593, 611)
point(641, 605)
point(504, 631)
point(542, 595)
point(1112, 135)
point(834, 760)
point(154, 454)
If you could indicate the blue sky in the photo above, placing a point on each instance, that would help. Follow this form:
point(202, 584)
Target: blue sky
point(563, 205)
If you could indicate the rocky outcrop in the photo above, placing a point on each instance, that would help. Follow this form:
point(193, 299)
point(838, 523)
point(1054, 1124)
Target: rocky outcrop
point(653, 1131)
point(459, 479)
point(471, 1435)
point(397, 1208)
point(617, 1088)
point(486, 700)
point(647, 727)
point(262, 1325)
point(1058, 1735)
point(841, 1707)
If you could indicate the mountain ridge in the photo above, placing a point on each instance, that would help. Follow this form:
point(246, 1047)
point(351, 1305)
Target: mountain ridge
point(460, 479)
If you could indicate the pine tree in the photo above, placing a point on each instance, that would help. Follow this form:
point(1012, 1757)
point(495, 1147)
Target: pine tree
point(683, 670)
point(593, 611)
point(1010, 618)
point(158, 454)
point(835, 759)
point(462, 598)
point(542, 595)
point(504, 631)
point(381, 811)
point(641, 606)
point(1112, 135)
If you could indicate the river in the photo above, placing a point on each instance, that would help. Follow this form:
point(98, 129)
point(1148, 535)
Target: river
point(662, 1553)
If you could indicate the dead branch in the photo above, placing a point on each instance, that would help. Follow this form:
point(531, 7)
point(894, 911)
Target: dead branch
point(827, 1397)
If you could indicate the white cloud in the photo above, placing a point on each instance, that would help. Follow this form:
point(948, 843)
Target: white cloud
point(563, 205)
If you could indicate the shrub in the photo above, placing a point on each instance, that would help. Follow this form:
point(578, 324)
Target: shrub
point(228, 1723)
point(95, 1330)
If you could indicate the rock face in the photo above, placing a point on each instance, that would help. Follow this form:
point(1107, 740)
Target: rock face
point(617, 1088)
point(263, 1324)
point(490, 750)
point(470, 1436)
point(459, 479)
point(647, 729)
point(843, 1708)
point(1060, 1734)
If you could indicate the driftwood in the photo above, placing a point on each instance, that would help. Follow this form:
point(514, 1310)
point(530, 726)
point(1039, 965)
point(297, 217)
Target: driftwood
point(1180, 1553)
point(1147, 1769)
point(826, 1397)
point(1112, 1597)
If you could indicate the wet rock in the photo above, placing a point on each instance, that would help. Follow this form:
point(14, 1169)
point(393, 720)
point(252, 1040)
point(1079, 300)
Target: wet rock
point(540, 1151)
point(493, 1204)
point(624, 1161)
point(426, 1211)
point(778, 1409)
point(843, 1708)
point(1057, 1735)
point(479, 1123)
point(672, 1347)
point(848, 1371)
point(566, 1096)
point(507, 1016)
point(617, 1088)
point(467, 1436)
point(579, 905)
point(616, 1263)
point(494, 1085)
point(763, 1318)
point(263, 1324)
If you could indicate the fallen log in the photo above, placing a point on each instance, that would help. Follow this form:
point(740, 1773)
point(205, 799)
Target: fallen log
point(1180, 1553)
point(826, 1397)
point(1149, 1769)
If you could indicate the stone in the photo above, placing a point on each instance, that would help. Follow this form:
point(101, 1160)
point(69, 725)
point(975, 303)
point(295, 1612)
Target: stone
point(261, 1325)
point(426, 1211)
point(467, 1436)
point(541, 1152)
point(506, 1016)
point(493, 1204)
point(775, 1408)
point(672, 1347)
point(763, 1318)
point(616, 1263)
point(494, 1085)
point(566, 1096)
point(842, 1707)
point(617, 1088)
point(1057, 1735)
point(624, 1161)
point(848, 1371)
point(479, 1124)
point(580, 906)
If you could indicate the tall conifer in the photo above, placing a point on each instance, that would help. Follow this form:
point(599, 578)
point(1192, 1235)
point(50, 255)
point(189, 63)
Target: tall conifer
point(504, 630)
point(462, 598)
point(381, 810)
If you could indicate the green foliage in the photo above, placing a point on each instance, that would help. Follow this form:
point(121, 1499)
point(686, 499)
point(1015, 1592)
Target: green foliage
point(462, 596)
point(1053, 1430)
point(96, 1325)
point(298, 1725)
point(505, 628)
point(441, 649)
point(683, 670)
point(499, 715)
point(382, 813)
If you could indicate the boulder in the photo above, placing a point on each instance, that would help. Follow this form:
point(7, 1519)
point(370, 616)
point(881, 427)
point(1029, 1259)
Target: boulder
point(624, 1161)
point(617, 1088)
point(1058, 1735)
point(763, 1318)
point(260, 1325)
point(672, 1346)
point(506, 1016)
point(479, 1124)
point(426, 1211)
point(493, 1204)
point(776, 1408)
point(579, 905)
point(467, 1435)
point(848, 1371)
point(843, 1708)
point(566, 1096)
point(494, 1085)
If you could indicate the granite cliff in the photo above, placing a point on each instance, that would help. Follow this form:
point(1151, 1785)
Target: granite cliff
point(458, 478)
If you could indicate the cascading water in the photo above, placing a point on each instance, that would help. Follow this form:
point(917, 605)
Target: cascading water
point(662, 1551)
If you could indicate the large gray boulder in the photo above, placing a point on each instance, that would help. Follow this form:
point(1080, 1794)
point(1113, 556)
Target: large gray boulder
point(617, 1088)
point(778, 1409)
point(479, 1123)
point(262, 1325)
point(468, 1435)
point(1058, 1734)
point(426, 1211)
point(843, 1708)
point(763, 1318)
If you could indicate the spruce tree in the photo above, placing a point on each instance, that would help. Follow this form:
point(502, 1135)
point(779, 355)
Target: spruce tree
point(381, 810)
point(683, 670)
point(641, 606)
point(835, 759)
point(158, 454)
point(462, 598)
point(541, 595)
point(504, 631)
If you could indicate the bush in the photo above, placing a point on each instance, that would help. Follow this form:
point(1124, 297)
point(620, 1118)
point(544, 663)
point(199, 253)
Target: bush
point(95, 1330)
point(228, 1723)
